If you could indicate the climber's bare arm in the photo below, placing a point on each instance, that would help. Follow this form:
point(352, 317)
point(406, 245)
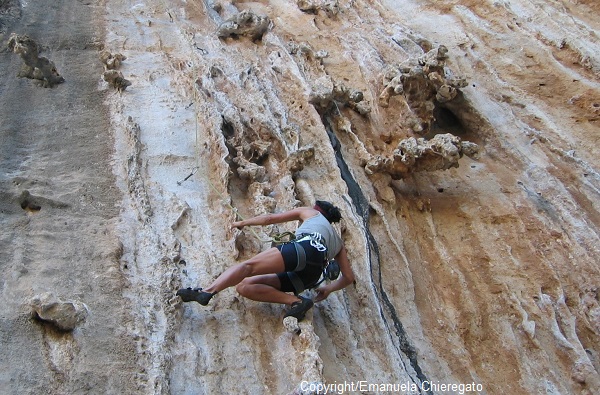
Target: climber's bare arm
point(300, 213)
point(343, 281)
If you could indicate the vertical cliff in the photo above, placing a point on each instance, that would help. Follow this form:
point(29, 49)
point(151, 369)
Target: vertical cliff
point(459, 138)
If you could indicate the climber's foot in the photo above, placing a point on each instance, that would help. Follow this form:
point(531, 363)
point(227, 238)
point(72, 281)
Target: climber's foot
point(300, 308)
point(195, 294)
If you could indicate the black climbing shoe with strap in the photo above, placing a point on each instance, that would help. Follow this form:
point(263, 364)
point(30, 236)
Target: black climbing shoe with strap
point(195, 294)
point(299, 309)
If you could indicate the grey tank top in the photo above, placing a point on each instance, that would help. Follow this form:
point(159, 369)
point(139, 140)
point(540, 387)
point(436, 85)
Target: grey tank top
point(319, 224)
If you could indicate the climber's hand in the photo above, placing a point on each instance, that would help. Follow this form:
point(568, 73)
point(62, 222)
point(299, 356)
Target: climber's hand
point(322, 293)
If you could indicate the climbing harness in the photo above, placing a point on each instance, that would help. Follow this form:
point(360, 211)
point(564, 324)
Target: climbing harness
point(316, 240)
point(331, 269)
point(331, 272)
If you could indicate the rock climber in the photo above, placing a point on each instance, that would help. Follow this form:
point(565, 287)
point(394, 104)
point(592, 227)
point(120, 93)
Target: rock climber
point(288, 268)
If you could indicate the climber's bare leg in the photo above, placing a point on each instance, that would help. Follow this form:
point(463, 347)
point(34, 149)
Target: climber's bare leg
point(267, 262)
point(265, 288)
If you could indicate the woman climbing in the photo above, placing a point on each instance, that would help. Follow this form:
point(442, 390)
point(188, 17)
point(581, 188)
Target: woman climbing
point(271, 275)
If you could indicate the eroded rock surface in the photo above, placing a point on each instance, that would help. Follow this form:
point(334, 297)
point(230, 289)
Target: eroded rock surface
point(442, 152)
point(64, 315)
point(35, 66)
point(116, 80)
point(331, 7)
point(112, 61)
point(246, 23)
point(422, 83)
point(459, 139)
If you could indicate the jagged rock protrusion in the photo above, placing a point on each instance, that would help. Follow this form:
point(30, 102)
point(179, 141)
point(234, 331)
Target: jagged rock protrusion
point(420, 83)
point(64, 315)
point(291, 325)
point(331, 7)
point(307, 50)
point(30, 202)
point(111, 61)
point(116, 80)
point(308, 360)
point(248, 170)
point(413, 155)
point(35, 67)
point(298, 159)
point(246, 23)
point(325, 93)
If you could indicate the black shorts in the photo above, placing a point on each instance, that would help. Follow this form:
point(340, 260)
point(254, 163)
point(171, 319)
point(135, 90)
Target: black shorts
point(311, 272)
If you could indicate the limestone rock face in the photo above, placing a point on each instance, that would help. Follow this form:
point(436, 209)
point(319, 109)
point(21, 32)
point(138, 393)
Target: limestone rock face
point(458, 138)
point(35, 66)
point(442, 152)
point(64, 315)
point(246, 23)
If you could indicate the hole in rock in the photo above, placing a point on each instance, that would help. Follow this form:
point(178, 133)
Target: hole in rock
point(447, 122)
point(28, 205)
point(227, 129)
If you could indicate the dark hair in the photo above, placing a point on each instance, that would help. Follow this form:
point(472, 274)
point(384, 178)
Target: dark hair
point(331, 212)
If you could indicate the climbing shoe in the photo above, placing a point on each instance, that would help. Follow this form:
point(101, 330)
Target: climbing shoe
point(195, 294)
point(299, 309)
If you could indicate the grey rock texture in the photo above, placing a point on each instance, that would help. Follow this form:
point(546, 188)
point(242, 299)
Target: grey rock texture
point(459, 139)
point(64, 315)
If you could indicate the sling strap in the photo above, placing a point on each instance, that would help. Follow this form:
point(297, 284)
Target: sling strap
point(296, 282)
point(301, 257)
point(316, 240)
point(301, 265)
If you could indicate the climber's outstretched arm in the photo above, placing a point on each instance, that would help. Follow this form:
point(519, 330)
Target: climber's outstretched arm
point(300, 213)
